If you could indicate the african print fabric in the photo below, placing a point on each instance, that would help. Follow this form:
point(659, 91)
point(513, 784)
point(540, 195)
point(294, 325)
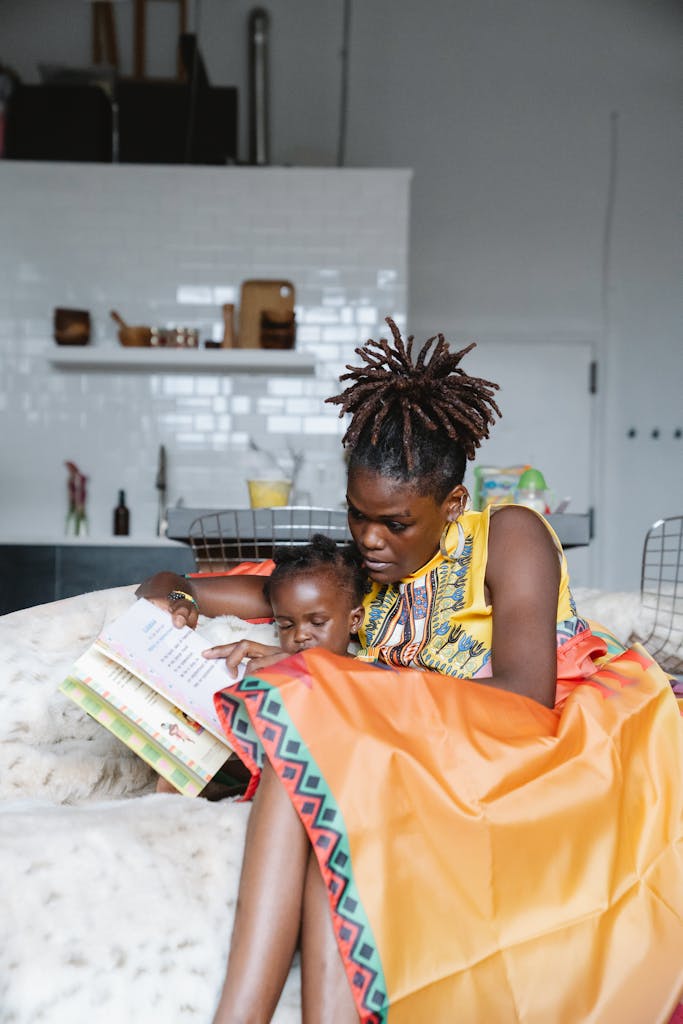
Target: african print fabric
point(486, 858)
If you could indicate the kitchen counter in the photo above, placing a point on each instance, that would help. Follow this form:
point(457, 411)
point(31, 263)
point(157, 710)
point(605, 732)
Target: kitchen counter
point(573, 528)
point(37, 571)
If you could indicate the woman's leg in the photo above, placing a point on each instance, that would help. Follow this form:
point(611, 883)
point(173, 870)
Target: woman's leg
point(269, 903)
point(325, 989)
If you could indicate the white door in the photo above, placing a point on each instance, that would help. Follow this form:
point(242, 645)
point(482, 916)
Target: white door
point(547, 422)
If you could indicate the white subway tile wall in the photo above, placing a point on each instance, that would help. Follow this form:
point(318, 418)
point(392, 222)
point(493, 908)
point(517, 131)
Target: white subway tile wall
point(166, 246)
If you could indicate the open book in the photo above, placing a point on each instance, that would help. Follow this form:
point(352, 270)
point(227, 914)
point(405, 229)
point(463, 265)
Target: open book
point(147, 682)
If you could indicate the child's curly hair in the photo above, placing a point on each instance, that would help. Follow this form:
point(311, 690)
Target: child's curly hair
point(321, 554)
point(415, 419)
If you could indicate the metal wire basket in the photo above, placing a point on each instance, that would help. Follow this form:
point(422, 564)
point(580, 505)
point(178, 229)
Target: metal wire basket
point(221, 540)
point(661, 593)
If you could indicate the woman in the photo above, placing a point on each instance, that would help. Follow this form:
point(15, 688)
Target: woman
point(408, 821)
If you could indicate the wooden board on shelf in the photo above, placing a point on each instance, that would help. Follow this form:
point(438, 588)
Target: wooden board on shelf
point(276, 297)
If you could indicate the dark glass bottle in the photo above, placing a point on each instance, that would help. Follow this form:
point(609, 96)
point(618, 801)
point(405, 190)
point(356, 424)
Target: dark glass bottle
point(121, 517)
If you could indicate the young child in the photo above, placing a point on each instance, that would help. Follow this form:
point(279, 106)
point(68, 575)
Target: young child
point(316, 593)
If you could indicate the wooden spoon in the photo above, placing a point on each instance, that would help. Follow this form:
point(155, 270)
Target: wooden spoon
point(117, 318)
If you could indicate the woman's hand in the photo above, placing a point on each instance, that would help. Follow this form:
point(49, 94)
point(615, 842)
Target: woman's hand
point(256, 655)
point(174, 594)
point(214, 595)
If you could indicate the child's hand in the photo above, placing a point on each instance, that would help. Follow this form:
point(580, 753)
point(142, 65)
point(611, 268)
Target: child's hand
point(256, 655)
point(256, 664)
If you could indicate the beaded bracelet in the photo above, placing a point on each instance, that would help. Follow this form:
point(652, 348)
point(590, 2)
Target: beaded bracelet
point(180, 595)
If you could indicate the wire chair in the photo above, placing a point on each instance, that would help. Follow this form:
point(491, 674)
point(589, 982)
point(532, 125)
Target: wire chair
point(221, 540)
point(661, 593)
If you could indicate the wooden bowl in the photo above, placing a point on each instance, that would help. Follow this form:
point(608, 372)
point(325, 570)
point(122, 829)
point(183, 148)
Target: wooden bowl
point(71, 326)
point(135, 337)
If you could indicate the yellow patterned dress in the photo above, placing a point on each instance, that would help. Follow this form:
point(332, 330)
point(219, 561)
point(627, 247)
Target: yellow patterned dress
point(486, 859)
point(439, 618)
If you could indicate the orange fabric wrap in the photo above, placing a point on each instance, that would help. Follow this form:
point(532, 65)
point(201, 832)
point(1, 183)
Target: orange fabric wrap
point(514, 863)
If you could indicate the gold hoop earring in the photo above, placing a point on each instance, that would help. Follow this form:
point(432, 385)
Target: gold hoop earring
point(452, 556)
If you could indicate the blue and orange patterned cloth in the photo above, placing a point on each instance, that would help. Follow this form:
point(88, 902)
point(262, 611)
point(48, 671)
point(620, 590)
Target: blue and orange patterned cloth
point(486, 858)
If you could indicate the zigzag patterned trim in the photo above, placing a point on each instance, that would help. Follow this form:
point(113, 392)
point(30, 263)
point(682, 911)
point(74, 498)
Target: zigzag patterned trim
point(238, 728)
point(324, 823)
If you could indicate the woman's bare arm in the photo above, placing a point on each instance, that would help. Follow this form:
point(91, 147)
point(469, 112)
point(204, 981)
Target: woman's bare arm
point(215, 595)
point(523, 581)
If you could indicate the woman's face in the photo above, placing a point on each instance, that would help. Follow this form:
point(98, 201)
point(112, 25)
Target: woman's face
point(396, 529)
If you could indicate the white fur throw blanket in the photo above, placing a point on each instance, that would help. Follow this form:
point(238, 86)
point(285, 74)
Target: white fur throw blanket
point(116, 902)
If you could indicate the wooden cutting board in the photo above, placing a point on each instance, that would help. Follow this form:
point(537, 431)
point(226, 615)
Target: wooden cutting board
point(274, 296)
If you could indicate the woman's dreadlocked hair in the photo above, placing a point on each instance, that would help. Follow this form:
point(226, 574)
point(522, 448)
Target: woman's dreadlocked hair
point(415, 419)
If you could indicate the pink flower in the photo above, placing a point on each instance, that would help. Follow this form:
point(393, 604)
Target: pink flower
point(77, 489)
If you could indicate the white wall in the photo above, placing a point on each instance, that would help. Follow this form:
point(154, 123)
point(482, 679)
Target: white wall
point(166, 246)
point(532, 218)
point(504, 112)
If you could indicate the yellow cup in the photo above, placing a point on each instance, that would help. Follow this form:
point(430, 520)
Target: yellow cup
point(268, 493)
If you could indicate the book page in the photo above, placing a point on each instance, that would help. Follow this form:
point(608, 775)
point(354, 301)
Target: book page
point(188, 741)
point(145, 641)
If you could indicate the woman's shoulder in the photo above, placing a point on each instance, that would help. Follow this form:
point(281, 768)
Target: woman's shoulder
point(521, 538)
point(497, 530)
point(520, 521)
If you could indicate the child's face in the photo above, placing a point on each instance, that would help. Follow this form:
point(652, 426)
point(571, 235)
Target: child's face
point(313, 611)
